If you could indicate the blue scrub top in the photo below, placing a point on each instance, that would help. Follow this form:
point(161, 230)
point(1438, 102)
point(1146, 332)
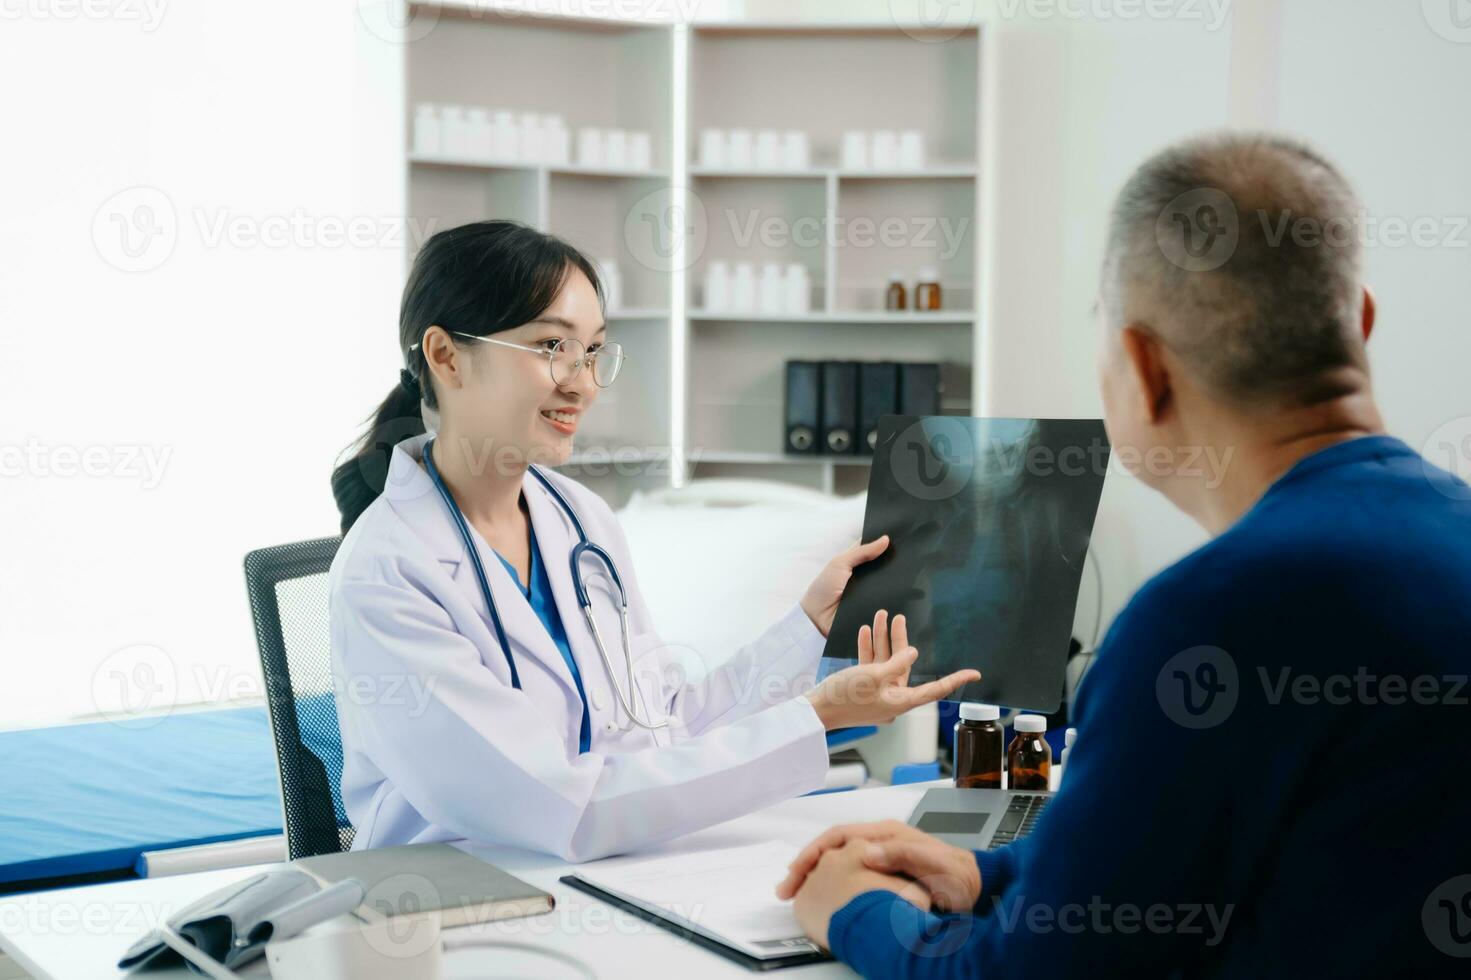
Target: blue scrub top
point(545, 605)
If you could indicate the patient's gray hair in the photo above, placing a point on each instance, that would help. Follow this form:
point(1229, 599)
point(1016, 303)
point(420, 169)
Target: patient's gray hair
point(1243, 253)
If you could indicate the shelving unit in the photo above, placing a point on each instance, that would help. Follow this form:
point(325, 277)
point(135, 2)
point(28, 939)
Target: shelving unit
point(936, 172)
point(419, 160)
point(891, 318)
point(702, 390)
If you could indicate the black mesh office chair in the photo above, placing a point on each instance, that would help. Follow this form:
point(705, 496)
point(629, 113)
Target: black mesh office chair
point(288, 600)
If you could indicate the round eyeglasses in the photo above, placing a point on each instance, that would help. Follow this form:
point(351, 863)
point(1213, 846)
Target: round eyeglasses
point(566, 357)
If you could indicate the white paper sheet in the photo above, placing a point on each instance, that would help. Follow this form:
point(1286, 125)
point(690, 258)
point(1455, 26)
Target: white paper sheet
point(728, 895)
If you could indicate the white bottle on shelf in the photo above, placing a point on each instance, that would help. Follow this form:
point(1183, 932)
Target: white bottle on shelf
point(498, 119)
point(532, 147)
point(885, 151)
point(428, 141)
point(590, 147)
point(771, 292)
point(712, 149)
point(556, 141)
point(797, 289)
point(1068, 738)
point(911, 150)
point(612, 284)
point(505, 141)
point(902, 297)
point(768, 150)
point(743, 288)
point(855, 150)
point(795, 152)
point(640, 151)
point(717, 287)
point(480, 139)
point(615, 149)
point(453, 133)
point(739, 153)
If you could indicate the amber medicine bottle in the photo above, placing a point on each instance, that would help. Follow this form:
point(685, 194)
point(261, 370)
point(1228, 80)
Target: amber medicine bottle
point(1029, 759)
point(979, 747)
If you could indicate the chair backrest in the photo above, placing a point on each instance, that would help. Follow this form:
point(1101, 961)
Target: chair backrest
point(288, 601)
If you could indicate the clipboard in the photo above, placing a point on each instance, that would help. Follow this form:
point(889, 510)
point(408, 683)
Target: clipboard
point(715, 946)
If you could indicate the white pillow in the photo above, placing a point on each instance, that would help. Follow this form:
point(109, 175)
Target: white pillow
point(715, 577)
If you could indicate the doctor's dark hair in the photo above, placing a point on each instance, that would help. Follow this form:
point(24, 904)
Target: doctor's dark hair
point(480, 279)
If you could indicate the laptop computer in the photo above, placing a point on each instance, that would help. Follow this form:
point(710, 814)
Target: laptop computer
point(979, 819)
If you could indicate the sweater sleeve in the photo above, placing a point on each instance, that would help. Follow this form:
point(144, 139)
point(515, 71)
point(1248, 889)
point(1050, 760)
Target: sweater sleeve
point(1121, 869)
point(998, 870)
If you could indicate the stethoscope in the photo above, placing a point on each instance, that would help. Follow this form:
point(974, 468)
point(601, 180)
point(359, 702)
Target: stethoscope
point(582, 548)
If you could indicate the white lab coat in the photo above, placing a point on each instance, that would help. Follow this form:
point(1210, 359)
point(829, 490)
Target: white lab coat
point(437, 744)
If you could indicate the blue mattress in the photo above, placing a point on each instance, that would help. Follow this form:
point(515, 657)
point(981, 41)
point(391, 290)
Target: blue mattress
point(86, 799)
point(90, 799)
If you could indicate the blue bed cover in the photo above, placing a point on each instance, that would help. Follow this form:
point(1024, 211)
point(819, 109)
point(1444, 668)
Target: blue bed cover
point(83, 799)
point(88, 799)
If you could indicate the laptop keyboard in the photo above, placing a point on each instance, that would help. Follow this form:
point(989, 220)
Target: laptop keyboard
point(1020, 817)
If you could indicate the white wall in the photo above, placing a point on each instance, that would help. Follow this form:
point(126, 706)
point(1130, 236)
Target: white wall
point(1078, 104)
point(244, 366)
point(1377, 88)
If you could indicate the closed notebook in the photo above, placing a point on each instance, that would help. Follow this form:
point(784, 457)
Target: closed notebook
point(414, 879)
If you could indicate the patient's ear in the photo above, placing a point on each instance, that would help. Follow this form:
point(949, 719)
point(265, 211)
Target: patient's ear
point(1371, 311)
point(1144, 361)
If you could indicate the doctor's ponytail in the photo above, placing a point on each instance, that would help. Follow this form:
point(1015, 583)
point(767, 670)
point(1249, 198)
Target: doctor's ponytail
point(479, 278)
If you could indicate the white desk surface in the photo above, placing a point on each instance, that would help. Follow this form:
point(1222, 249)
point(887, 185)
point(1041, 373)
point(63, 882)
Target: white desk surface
point(81, 932)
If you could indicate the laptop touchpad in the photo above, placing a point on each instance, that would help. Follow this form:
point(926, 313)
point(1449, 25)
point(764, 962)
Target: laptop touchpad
point(952, 822)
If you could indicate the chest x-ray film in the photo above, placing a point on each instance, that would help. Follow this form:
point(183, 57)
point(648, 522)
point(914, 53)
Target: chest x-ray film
point(988, 523)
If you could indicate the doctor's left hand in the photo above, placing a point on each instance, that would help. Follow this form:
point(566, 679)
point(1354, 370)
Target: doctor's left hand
point(877, 690)
point(821, 601)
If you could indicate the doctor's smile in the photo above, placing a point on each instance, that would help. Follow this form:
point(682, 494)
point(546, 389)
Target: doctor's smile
point(512, 585)
point(564, 420)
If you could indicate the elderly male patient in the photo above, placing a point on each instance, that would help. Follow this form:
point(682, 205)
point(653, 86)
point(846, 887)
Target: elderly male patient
point(1270, 775)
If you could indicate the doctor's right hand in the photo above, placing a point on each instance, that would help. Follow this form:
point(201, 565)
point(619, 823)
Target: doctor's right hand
point(877, 690)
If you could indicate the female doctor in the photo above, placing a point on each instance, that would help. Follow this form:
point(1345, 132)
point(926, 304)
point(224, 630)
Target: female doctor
point(479, 697)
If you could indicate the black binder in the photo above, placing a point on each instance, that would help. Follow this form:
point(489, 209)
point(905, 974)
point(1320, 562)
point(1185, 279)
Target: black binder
point(919, 389)
point(878, 395)
point(803, 405)
point(839, 432)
